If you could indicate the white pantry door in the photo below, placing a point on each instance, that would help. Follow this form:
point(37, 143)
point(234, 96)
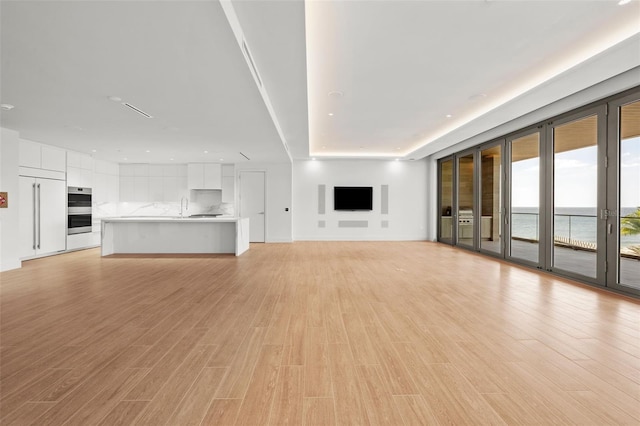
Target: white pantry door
point(252, 203)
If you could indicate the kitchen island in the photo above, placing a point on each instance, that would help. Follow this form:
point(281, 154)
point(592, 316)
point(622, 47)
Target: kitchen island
point(175, 235)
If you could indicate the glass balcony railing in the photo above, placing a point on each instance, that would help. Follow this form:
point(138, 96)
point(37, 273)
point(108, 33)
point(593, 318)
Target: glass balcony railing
point(577, 231)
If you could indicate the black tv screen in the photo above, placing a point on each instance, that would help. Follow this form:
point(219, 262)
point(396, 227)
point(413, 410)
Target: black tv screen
point(352, 198)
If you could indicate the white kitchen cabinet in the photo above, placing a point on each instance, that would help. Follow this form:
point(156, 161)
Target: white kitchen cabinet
point(140, 189)
point(228, 189)
point(212, 176)
point(127, 192)
point(195, 175)
point(79, 177)
point(104, 182)
point(79, 170)
point(127, 170)
point(204, 176)
point(73, 159)
point(43, 207)
point(30, 154)
point(141, 170)
point(99, 188)
point(86, 162)
point(53, 158)
point(40, 156)
point(228, 183)
point(156, 188)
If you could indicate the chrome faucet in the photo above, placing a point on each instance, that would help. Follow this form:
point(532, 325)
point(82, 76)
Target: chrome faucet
point(185, 201)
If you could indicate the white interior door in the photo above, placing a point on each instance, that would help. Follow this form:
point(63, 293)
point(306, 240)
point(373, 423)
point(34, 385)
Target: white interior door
point(252, 203)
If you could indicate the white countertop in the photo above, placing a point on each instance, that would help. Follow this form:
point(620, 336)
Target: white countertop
point(169, 219)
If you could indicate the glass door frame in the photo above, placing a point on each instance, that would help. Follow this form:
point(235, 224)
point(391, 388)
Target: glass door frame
point(613, 192)
point(454, 229)
point(601, 182)
point(541, 188)
point(503, 189)
point(456, 198)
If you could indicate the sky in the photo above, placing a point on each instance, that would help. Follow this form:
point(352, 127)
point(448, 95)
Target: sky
point(576, 178)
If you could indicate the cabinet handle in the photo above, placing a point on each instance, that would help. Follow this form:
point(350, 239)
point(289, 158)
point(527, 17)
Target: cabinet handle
point(34, 215)
point(39, 208)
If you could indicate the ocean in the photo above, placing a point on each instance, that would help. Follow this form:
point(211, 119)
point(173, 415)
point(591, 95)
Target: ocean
point(577, 223)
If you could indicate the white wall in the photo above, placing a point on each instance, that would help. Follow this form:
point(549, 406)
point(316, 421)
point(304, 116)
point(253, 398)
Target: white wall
point(278, 226)
point(407, 182)
point(9, 217)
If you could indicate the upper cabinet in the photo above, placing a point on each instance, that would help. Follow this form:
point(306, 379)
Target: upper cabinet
point(204, 176)
point(39, 156)
point(228, 183)
point(153, 182)
point(79, 170)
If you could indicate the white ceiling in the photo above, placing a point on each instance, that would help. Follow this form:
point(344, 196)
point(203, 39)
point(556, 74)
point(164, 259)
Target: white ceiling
point(401, 67)
point(176, 60)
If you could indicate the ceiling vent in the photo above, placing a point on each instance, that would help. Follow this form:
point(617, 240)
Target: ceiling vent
point(251, 64)
point(245, 156)
point(138, 110)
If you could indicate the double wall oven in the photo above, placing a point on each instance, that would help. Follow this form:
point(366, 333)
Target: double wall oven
point(78, 210)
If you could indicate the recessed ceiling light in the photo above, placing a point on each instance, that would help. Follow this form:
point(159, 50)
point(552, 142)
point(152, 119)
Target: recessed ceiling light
point(206, 152)
point(171, 159)
point(147, 151)
point(115, 99)
point(330, 114)
point(94, 150)
point(477, 97)
point(222, 159)
point(623, 2)
point(397, 159)
point(125, 158)
point(449, 115)
point(7, 107)
point(313, 159)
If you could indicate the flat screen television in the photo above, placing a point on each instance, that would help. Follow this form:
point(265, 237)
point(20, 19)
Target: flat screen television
point(353, 198)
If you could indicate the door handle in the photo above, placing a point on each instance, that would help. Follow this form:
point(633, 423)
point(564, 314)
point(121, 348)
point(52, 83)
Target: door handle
point(34, 214)
point(261, 213)
point(39, 228)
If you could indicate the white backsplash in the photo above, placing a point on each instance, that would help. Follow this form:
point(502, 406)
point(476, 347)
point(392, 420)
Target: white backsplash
point(200, 202)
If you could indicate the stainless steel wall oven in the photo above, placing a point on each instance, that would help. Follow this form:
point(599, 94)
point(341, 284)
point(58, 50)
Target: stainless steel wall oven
point(78, 210)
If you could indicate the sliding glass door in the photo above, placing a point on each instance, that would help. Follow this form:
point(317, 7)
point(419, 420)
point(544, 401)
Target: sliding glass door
point(623, 199)
point(464, 216)
point(577, 246)
point(445, 222)
point(562, 196)
point(524, 223)
point(491, 204)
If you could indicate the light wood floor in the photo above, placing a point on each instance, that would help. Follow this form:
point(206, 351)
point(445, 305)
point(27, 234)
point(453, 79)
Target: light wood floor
point(320, 333)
